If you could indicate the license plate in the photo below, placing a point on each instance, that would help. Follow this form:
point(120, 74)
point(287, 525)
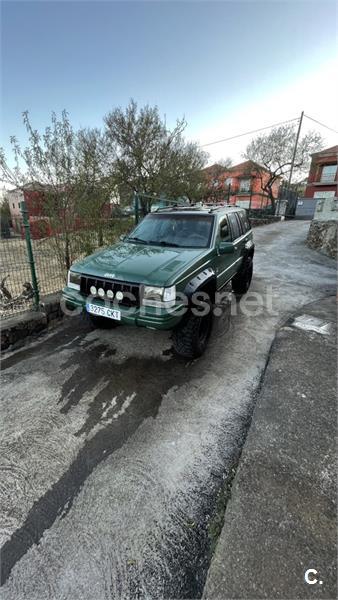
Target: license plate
point(103, 311)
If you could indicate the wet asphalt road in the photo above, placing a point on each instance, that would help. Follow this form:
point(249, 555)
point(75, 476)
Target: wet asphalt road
point(113, 450)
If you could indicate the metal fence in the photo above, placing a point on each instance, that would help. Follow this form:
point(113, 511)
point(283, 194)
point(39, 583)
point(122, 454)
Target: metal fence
point(261, 213)
point(49, 258)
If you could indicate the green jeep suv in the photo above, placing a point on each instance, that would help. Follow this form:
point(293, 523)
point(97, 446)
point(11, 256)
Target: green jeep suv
point(166, 273)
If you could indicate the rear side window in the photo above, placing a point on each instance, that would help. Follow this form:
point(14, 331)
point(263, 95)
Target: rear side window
point(244, 221)
point(225, 233)
point(234, 224)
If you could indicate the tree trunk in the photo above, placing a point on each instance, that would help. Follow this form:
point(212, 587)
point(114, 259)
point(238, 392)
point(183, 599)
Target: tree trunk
point(268, 189)
point(100, 234)
point(272, 200)
point(67, 252)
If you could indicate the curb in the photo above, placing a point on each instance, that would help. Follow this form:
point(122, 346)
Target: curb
point(14, 330)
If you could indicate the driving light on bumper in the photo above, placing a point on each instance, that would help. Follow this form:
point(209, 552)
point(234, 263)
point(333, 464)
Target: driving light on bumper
point(159, 296)
point(74, 280)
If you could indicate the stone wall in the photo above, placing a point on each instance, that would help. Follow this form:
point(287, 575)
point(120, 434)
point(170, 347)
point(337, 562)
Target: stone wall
point(322, 236)
point(257, 221)
point(14, 330)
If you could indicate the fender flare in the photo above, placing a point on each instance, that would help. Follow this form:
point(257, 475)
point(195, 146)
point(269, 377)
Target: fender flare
point(249, 249)
point(204, 277)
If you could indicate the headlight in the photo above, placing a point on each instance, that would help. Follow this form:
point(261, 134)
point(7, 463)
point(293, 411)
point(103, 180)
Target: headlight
point(74, 280)
point(159, 296)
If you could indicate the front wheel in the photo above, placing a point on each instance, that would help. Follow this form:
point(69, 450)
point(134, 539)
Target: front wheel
point(191, 338)
point(241, 281)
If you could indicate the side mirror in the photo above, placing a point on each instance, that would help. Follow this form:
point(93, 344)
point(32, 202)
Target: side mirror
point(122, 238)
point(226, 248)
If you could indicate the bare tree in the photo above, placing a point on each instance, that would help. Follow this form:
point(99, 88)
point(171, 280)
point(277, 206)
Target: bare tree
point(225, 163)
point(272, 153)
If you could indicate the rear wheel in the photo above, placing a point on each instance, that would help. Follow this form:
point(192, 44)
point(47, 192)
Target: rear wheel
point(191, 338)
point(102, 322)
point(241, 281)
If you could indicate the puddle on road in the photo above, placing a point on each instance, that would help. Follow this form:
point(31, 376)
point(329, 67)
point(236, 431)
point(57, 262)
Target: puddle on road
point(146, 379)
point(309, 323)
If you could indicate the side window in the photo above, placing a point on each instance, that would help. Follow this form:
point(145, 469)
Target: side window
point(247, 221)
point(244, 221)
point(225, 233)
point(234, 224)
point(241, 226)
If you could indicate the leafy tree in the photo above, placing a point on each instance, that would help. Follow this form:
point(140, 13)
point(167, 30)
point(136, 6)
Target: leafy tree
point(5, 218)
point(94, 185)
point(213, 185)
point(68, 169)
point(273, 152)
point(147, 158)
point(5, 213)
point(77, 173)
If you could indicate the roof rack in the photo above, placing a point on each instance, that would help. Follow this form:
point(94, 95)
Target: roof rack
point(218, 206)
point(191, 207)
point(178, 207)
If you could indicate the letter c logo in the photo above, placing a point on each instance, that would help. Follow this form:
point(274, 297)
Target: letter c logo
point(311, 580)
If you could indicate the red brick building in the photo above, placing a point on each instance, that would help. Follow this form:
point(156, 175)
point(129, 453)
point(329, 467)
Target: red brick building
point(322, 180)
point(241, 185)
point(35, 196)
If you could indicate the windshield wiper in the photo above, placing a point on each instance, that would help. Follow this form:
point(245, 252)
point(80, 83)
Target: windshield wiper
point(137, 239)
point(164, 243)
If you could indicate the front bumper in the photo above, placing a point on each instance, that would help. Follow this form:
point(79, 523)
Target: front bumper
point(144, 316)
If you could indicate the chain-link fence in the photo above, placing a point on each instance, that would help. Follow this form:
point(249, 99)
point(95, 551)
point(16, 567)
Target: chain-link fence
point(15, 276)
point(52, 255)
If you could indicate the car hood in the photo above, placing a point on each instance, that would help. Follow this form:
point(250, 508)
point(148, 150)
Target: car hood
point(152, 265)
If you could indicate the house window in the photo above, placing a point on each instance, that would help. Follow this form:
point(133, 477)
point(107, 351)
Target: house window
point(13, 204)
point(324, 194)
point(216, 182)
point(328, 174)
point(228, 181)
point(244, 185)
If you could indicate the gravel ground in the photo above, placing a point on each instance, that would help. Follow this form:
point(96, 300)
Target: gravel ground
point(113, 450)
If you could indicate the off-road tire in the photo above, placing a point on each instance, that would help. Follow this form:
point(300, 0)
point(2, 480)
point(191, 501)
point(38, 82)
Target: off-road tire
point(102, 322)
point(241, 281)
point(190, 338)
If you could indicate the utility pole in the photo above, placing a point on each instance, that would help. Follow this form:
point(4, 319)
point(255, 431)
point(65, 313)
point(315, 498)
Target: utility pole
point(295, 150)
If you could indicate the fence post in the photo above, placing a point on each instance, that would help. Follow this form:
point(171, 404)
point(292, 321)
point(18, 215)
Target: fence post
point(26, 225)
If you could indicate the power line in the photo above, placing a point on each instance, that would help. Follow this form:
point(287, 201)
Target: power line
point(319, 123)
point(248, 132)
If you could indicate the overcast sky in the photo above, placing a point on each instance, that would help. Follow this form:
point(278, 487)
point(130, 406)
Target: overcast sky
point(228, 67)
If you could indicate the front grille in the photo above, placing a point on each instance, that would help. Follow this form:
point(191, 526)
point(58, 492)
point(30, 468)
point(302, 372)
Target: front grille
point(131, 291)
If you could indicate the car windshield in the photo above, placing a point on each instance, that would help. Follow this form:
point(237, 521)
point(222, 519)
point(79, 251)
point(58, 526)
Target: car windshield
point(180, 230)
